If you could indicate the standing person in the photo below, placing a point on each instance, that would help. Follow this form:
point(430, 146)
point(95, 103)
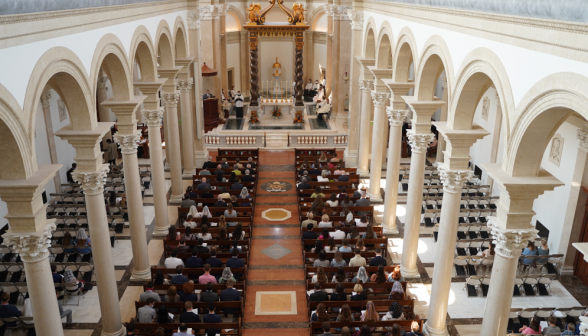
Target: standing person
point(232, 93)
point(111, 152)
point(71, 170)
point(239, 104)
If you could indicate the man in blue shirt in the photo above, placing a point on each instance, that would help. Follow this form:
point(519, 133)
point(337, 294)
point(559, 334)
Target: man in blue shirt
point(56, 276)
point(203, 185)
point(183, 331)
point(213, 261)
point(378, 259)
point(235, 262)
point(189, 316)
point(179, 278)
point(236, 186)
point(194, 261)
point(8, 310)
point(230, 294)
point(211, 317)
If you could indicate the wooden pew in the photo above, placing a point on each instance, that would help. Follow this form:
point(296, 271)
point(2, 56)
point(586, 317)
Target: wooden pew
point(309, 200)
point(346, 255)
point(327, 191)
point(196, 272)
point(201, 306)
point(221, 245)
point(150, 328)
point(404, 325)
point(240, 210)
point(299, 163)
point(219, 185)
point(241, 153)
point(348, 269)
point(352, 177)
point(349, 287)
point(376, 242)
point(378, 230)
point(226, 170)
point(370, 208)
point(350, 171)
point(244, 220)
point(335, 219)
point(215, 230)
point(381, 306)
point(314, 152)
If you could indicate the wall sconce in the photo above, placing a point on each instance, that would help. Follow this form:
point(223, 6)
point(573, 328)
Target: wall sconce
point(346, 76)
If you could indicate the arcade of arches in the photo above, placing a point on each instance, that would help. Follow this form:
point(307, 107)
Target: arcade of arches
point(460, 134)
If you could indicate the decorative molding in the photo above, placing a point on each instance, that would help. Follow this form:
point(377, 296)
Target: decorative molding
point(583, 137)
point(356, 19)
point(329, 9)
point(31, 247)
point(221, 10)
point(46, 99)
point(485, 108)
point(102, 79)
point(170, 99)
point(453, 180)
point(380, 98)
point(152, 117)
point(419, 142)
point(193, 19)
point(498, 100)
point(127, 143)
point(207, 12)
point(443, 78)
point(556, 149)
point(184, 85)
point(509, 243)
point(396, 117)
point(92, 182)
point(366, 84)
point(341, 12)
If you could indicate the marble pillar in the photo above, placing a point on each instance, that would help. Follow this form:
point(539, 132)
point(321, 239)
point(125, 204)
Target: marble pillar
point(185, 87)
point(153, 121)
point(329, 11)
point(170, 101)
point(103, 111)
point(309, 57)
point(244, 62)
point(365, 85)
point(396, 119)
point(441, 140)
point(354, 121)
point(341, 75)
point(380, 100)
point(209, 37)
point(30, 236)
point(46, 105)
point(218, 55)
point(222, 11)
point(334, 60)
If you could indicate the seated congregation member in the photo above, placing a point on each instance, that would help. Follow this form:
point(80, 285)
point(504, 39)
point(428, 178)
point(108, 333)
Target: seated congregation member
point(206, 194)
point(235, 261)
point(203, 185)
point(230, 294)
point(361, 276)
point(209, 163)
point(222, 234)
point(346, 202)
point(343, 178)
point(533, 329)
point(233, 178)
point(339, 170)
point(543, 250)
point(345, 248)
point(245, 195)
point(209, 295)
point(378, 259)
point(325, 223)
point(339, 293)
point(363, 201)
point(397, 292)
point(219, 202)
point(188, 235)
point(187, 202)
point(206, 277)
point(179, 278)
point(344, 316)
point(200, 247)
point(310, 220)
point(236, 170)
point(309, 234)
point(380, 276)
point(551, 329)
point(172, 295)
point(338, 260)
point(224, 164)
point(303, 184)
point(226, 276)
point(194, 261)
point(320, 315)
point(338, 234)
point(250, 162)
point(370, 314)
point(414, 330)
point(205, 172)
point(173, 237)
point(236, 186)
point(319, 295)
point(238, 163)
point(204, 234)
point(360, 245)
point(230, 213)
point(149, 293)
point(317, 192)
point(320, 276)
point(331, 247)
point(219, 170)
point(340, 275)
point(327, 210)
point(220, 176)
point(235, 247)
point(147, 314)
point(173, 260)
point(530, 250)
point(362, 222)
point(189, 316)
point(247, 177)
point(238, 233)
point(322, 260)
point(326, 329)
point(211, 317)
point(323, 177)
point(160, 279)
point(213, 261)
point(357, 260)
point(182, 248)
point(358, 295)
point(333, 202)
point(187, 293)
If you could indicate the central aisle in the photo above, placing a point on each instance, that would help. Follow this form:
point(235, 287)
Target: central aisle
point(276, 267)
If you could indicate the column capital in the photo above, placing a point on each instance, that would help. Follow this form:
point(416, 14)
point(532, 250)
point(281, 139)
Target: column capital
point(510, 242)
point(221, 10)
point(453, 180)
point(380, 98)
point(127, 142)
point(152, 117)
point(207, 12)
point(170, 99)
point(443, 78)
point(125, 112)
point(193, 19)
point(396, 117)
point(459, 142)
point(184, 85)
point(46, 99)
point(356, 19)
point(31, 247)
point(583, 137)
point(366, 84)
point(422, 112)
point(92, 182)
point(419, 142)
point(87, 144)
point(341, 12)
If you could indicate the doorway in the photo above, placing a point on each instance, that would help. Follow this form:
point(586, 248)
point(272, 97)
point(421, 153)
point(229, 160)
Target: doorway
point(231, 76)
point(580, 265)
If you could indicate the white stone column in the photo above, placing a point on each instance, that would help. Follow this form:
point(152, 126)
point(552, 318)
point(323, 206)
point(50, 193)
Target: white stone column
point(354, 121)
point(452, 184)
point(33, 249)
point(103, 111)
point(419, 144)
point(329, 11)
point(170, 100)
point(128, 148)
point(46, 104)
point(396, 119)
point(153, 120)
point(92, 184)
point(380, 100)
point(441, 140)
point(185, 87)
point(365, 85)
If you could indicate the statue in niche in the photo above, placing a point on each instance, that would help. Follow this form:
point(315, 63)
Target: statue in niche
point(556, 149)
point(485, 108)
point(62, 110)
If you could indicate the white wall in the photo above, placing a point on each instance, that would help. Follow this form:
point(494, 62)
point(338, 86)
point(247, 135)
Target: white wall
point(322, 24)
point(481, 150)
point(231, 23)
point(233, 61)
point(284, 51)
point(320, 57)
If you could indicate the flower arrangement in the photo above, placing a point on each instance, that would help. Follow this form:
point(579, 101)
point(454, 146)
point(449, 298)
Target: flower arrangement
point(298, 118)
point(254, 119)
point(277, 112)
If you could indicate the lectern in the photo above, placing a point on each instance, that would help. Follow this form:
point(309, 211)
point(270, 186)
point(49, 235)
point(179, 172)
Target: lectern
point(211, 119)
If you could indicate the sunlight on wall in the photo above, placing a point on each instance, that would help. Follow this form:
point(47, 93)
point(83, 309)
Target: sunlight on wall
point(231, 23)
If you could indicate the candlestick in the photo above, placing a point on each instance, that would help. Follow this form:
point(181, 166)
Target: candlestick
point(281, 95)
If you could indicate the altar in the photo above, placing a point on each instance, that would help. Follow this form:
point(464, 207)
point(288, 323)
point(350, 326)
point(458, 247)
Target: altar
point(285, 107)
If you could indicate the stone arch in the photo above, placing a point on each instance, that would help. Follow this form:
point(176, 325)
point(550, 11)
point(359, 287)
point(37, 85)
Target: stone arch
point(110, 56)
point(18, 161)
point(369, 40)
point(540, 113)
point(404, 55)
point(62, 70)
point(480, 69)
point(181, 39)
point(142, 51)
point(434, 60)
point(316, 16)
point(234, 11)
point(163, 46)
point(384, 47)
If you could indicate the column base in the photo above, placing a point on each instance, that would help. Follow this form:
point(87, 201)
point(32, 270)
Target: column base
point(189, 174)
point(141, 274)
point(433, 331)
point(391, 230)
point(375, 198)
point(161, 231)
point(363, 173)
point(350, 159)
point(201, 157)
point(121, 332)
point(410, 272)
point(341, 118)
point(175, 199)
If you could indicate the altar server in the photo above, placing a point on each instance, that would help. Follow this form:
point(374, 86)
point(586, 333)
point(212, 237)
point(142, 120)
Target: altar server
point(239, 104)
point(308, 89)
point(232, 93)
